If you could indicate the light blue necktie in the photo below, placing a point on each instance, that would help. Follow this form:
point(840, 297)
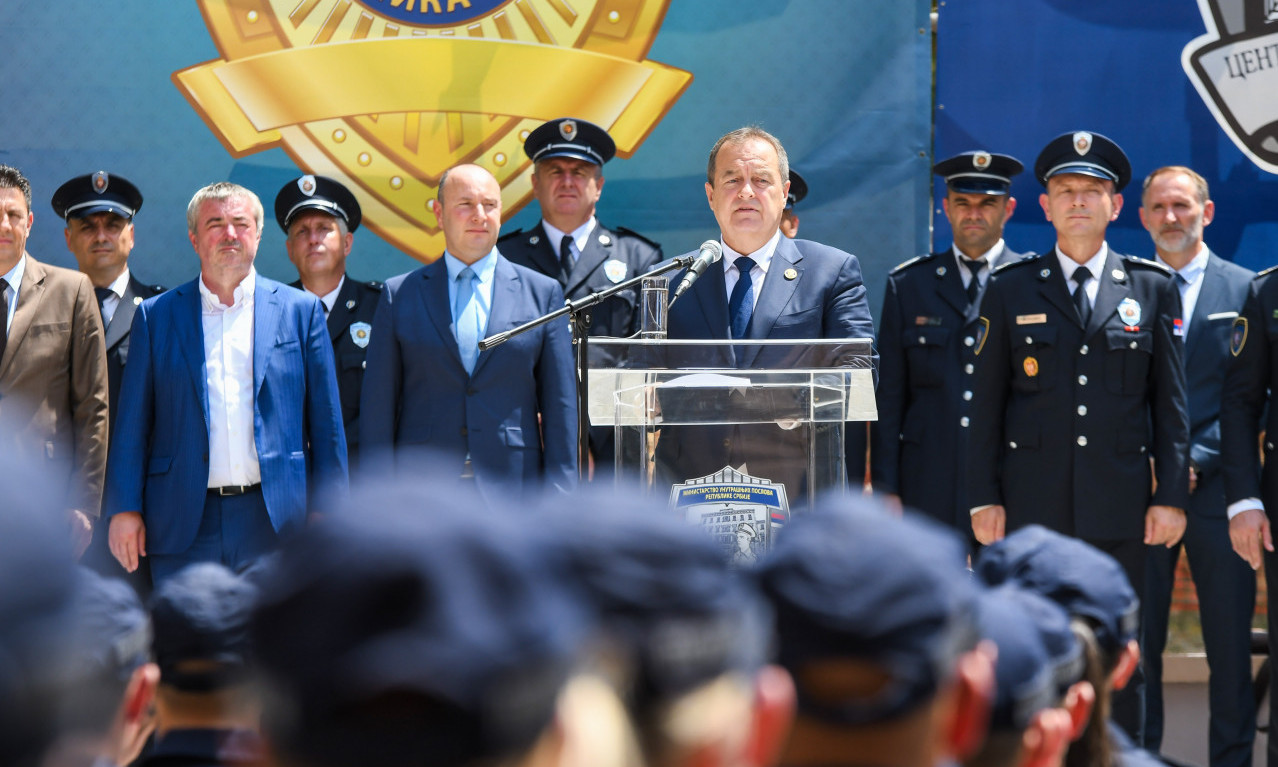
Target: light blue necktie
point(467, 313)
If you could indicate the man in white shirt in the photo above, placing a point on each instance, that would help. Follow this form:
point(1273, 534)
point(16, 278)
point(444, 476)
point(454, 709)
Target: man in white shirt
point(230, 428)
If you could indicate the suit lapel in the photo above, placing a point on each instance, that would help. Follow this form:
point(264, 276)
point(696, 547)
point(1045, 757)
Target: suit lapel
point(949, 282)
point(30, 294)
point(501, 311)
point(189, 330)
point(545, 254)
point(596, 253)
point(340, 316)
point(123, 317)
point(267, 310)
point(435, 305)
point(1112, 289)
point(711, 294)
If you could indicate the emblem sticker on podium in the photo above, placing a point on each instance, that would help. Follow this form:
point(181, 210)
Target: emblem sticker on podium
point(742, 513)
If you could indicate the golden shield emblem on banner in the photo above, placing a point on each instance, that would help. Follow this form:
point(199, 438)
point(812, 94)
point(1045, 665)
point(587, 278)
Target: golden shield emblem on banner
point(384, 95)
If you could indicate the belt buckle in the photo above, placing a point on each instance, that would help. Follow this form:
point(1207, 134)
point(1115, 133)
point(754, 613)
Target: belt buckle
point(229, 490)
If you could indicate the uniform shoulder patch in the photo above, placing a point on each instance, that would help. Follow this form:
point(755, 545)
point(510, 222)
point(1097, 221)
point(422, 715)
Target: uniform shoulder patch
point(1029, 258)
point(916, 260)
point(509, 235)
point(1264, 272)
point(1145, 263)
point(622, 231)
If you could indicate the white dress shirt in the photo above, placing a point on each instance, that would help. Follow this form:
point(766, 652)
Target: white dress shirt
point(112, 302)
point(1094, 265)
point(989, 257)
point(762, 260)
point(14, 278)
point(580, 236)
point(328, 299)
point(1190, 284)
point(228, 358)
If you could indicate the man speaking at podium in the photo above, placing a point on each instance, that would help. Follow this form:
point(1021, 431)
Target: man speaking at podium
point(768, 287)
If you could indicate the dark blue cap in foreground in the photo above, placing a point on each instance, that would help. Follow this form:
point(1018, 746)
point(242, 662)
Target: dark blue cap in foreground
point(201, 619)
point(1084, 580)
point(851, 583)
point(663, 594)
point(316, 193)
point(569, 137)
point(97, 193)
point(1089, 154)
point(979, 172)
point(798, 189)
point(412, 628)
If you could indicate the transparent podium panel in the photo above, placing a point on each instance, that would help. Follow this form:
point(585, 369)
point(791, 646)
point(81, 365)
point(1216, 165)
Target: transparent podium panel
point(734, 432)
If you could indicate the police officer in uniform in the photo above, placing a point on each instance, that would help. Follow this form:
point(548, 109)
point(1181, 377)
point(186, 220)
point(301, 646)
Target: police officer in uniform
point(571, 245)
point(1079, 382)
point(927, 342)
point(98, 209)
point(319, 216)
point(790, 219)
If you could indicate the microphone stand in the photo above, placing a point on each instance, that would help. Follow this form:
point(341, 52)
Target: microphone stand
point(580, 321)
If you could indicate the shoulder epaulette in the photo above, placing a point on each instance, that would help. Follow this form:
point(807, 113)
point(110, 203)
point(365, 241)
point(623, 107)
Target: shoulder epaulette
point(1263, 272)
point(374, 285)
point(632, 233)
point(916, 260)
point(1028, 258)
point(156, 289)
point(1146, 263)
point(508, 235)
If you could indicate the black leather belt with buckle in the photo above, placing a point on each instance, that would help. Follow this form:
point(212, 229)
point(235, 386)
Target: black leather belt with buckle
point(234, 489)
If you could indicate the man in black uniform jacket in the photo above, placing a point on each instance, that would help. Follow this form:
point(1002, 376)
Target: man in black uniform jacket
point(1245, 414)
point(927, 343)
point(1079, 382)
point(572, 246)
point(319, 217)
point(99, 209)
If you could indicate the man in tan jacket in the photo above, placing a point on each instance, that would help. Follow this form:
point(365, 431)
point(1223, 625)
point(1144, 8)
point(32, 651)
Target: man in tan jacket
point(53, 380)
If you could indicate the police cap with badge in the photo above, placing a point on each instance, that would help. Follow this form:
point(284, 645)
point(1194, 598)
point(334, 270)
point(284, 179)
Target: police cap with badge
point(570, 137)
point(979, 172)
point(98, 192)
point(316, 193)
point(1084, 153)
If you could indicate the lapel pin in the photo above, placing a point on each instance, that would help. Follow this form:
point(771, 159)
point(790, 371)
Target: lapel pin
point(534, 240)
point(940, 271)
point(1118, 274)
point(350, 304)
point(604, 239)
point(1044, 274)
point(790, 274)
point(137, 300)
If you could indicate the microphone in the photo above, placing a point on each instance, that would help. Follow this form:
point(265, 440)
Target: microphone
point(710, 253)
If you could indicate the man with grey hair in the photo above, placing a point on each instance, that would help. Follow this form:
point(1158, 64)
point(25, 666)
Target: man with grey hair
point(229, 424)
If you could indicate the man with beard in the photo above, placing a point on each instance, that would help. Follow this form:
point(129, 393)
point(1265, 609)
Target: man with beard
point(1174, 208)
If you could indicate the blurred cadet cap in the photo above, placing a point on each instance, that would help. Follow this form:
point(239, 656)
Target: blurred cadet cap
point(1025, 674)
point(851, 583)
point(979, 172)
point(1088, 154)
point(413, 626)
point(97, 193)
point(662, 592)
point(1084, 580)
point(201, 617)
point(316, 193)
point(570, 137)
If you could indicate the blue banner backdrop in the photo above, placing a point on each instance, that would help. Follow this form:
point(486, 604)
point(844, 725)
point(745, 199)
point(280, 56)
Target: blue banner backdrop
point(845, 84)
point(1011, 76)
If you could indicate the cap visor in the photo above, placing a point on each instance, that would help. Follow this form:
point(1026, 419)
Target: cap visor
point(978, 186)
point(1082, 169)
point(105, 206)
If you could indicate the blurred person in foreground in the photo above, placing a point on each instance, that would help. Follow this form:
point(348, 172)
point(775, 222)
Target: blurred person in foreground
point(875, 620)
point(1090, 585)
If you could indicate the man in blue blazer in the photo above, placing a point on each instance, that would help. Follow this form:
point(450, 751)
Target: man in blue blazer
point(792, 289)
point(230, 426)
point(1175, 207)
point(505, 418)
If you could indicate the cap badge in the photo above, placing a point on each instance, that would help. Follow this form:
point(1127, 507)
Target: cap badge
point(615, 270)
point(1082, 142)
point(568, 129)
point(100, 181)
point(307, 185)
point(981, 160)
point(360, 332)
point(1129, 310)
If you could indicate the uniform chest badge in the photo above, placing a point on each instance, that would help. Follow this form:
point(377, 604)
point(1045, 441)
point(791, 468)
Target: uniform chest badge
point(360, 332)
point(1031, 366)
point(615, 270)
point(1238, 337)
point(1129, 311)
point(350, 304)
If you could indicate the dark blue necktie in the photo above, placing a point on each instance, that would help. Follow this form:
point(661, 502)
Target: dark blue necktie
point(741, 303)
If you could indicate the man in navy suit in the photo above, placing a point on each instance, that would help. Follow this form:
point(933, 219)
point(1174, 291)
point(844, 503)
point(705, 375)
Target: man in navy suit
point(230, 425)
point(769, 287)
point(927, 339)
point(1174, 208)
point(505, 417)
